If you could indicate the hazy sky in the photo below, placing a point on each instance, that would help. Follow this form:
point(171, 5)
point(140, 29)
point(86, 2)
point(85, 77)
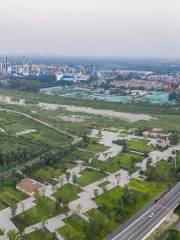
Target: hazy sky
point(137, 28)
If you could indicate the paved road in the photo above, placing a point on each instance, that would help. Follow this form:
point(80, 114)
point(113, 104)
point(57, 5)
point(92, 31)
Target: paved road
point(150, 219)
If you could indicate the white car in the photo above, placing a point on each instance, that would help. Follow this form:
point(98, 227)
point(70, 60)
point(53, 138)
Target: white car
point(151, 215)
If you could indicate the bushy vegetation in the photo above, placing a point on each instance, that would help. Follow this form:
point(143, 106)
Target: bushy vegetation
point(15, 150)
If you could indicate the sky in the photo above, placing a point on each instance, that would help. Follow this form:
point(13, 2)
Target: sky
point(117, 28)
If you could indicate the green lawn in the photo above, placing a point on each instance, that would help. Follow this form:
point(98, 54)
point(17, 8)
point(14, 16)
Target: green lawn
point(74, 228)
point(13, 123)
point(10, 196)
point(77, 154)
point(139, 146)
point(123, 160)
point(69, 233)
point(67, 193)
point(103, 184)
point(44, 209)
point(110, 198)
point(42, 234)
point(99, 218)
point(163, 172)
point(89, 176)
point(151, 188)
point(95, 147)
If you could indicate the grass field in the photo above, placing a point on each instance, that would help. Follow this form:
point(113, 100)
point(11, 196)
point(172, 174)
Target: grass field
point(152, 188)
point(95, 147)
point(67, 193)
point(110, 198)
point(103, 184)
point(165, 117)
point(9, 196)
point(99, 218)
point(44, 209)
point(13, 123)
point(99, 104)
point(139, 146)
point(89, 176)
point(42, 234)
point(164, 172)
point(123, 160)
point(77, 154)
point(74, 228)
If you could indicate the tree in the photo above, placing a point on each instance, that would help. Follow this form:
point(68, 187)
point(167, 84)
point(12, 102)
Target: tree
point(61, 180)
point(174, 139)
point(68, 175)
point(79, 208)
point(85, 139)
point(74, 177)
point(96, 193)
point(118, 176)
point(13, 210)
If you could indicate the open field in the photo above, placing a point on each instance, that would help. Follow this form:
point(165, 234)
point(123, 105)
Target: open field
point(67, 193)
point(78, 154)
point(99, 218)
point(164, 172)
point(99, 104)
point(150, 188)
point(10, 196)
point(74, 228)
point(95, 147)
point(123, 160)
point(139, 146)
point(110, 198)
point(89, 176)
point(161, 119)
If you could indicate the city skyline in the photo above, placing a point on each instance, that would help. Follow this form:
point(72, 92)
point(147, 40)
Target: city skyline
point(101, 28)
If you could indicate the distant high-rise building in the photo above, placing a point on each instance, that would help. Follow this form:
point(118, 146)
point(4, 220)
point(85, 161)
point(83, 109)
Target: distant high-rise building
point(27, 66)
point(4, 64)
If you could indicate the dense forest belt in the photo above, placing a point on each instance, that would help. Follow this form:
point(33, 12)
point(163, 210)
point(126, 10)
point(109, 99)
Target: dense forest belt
point(75, 138)
point(98, 104)
point(21, 166)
